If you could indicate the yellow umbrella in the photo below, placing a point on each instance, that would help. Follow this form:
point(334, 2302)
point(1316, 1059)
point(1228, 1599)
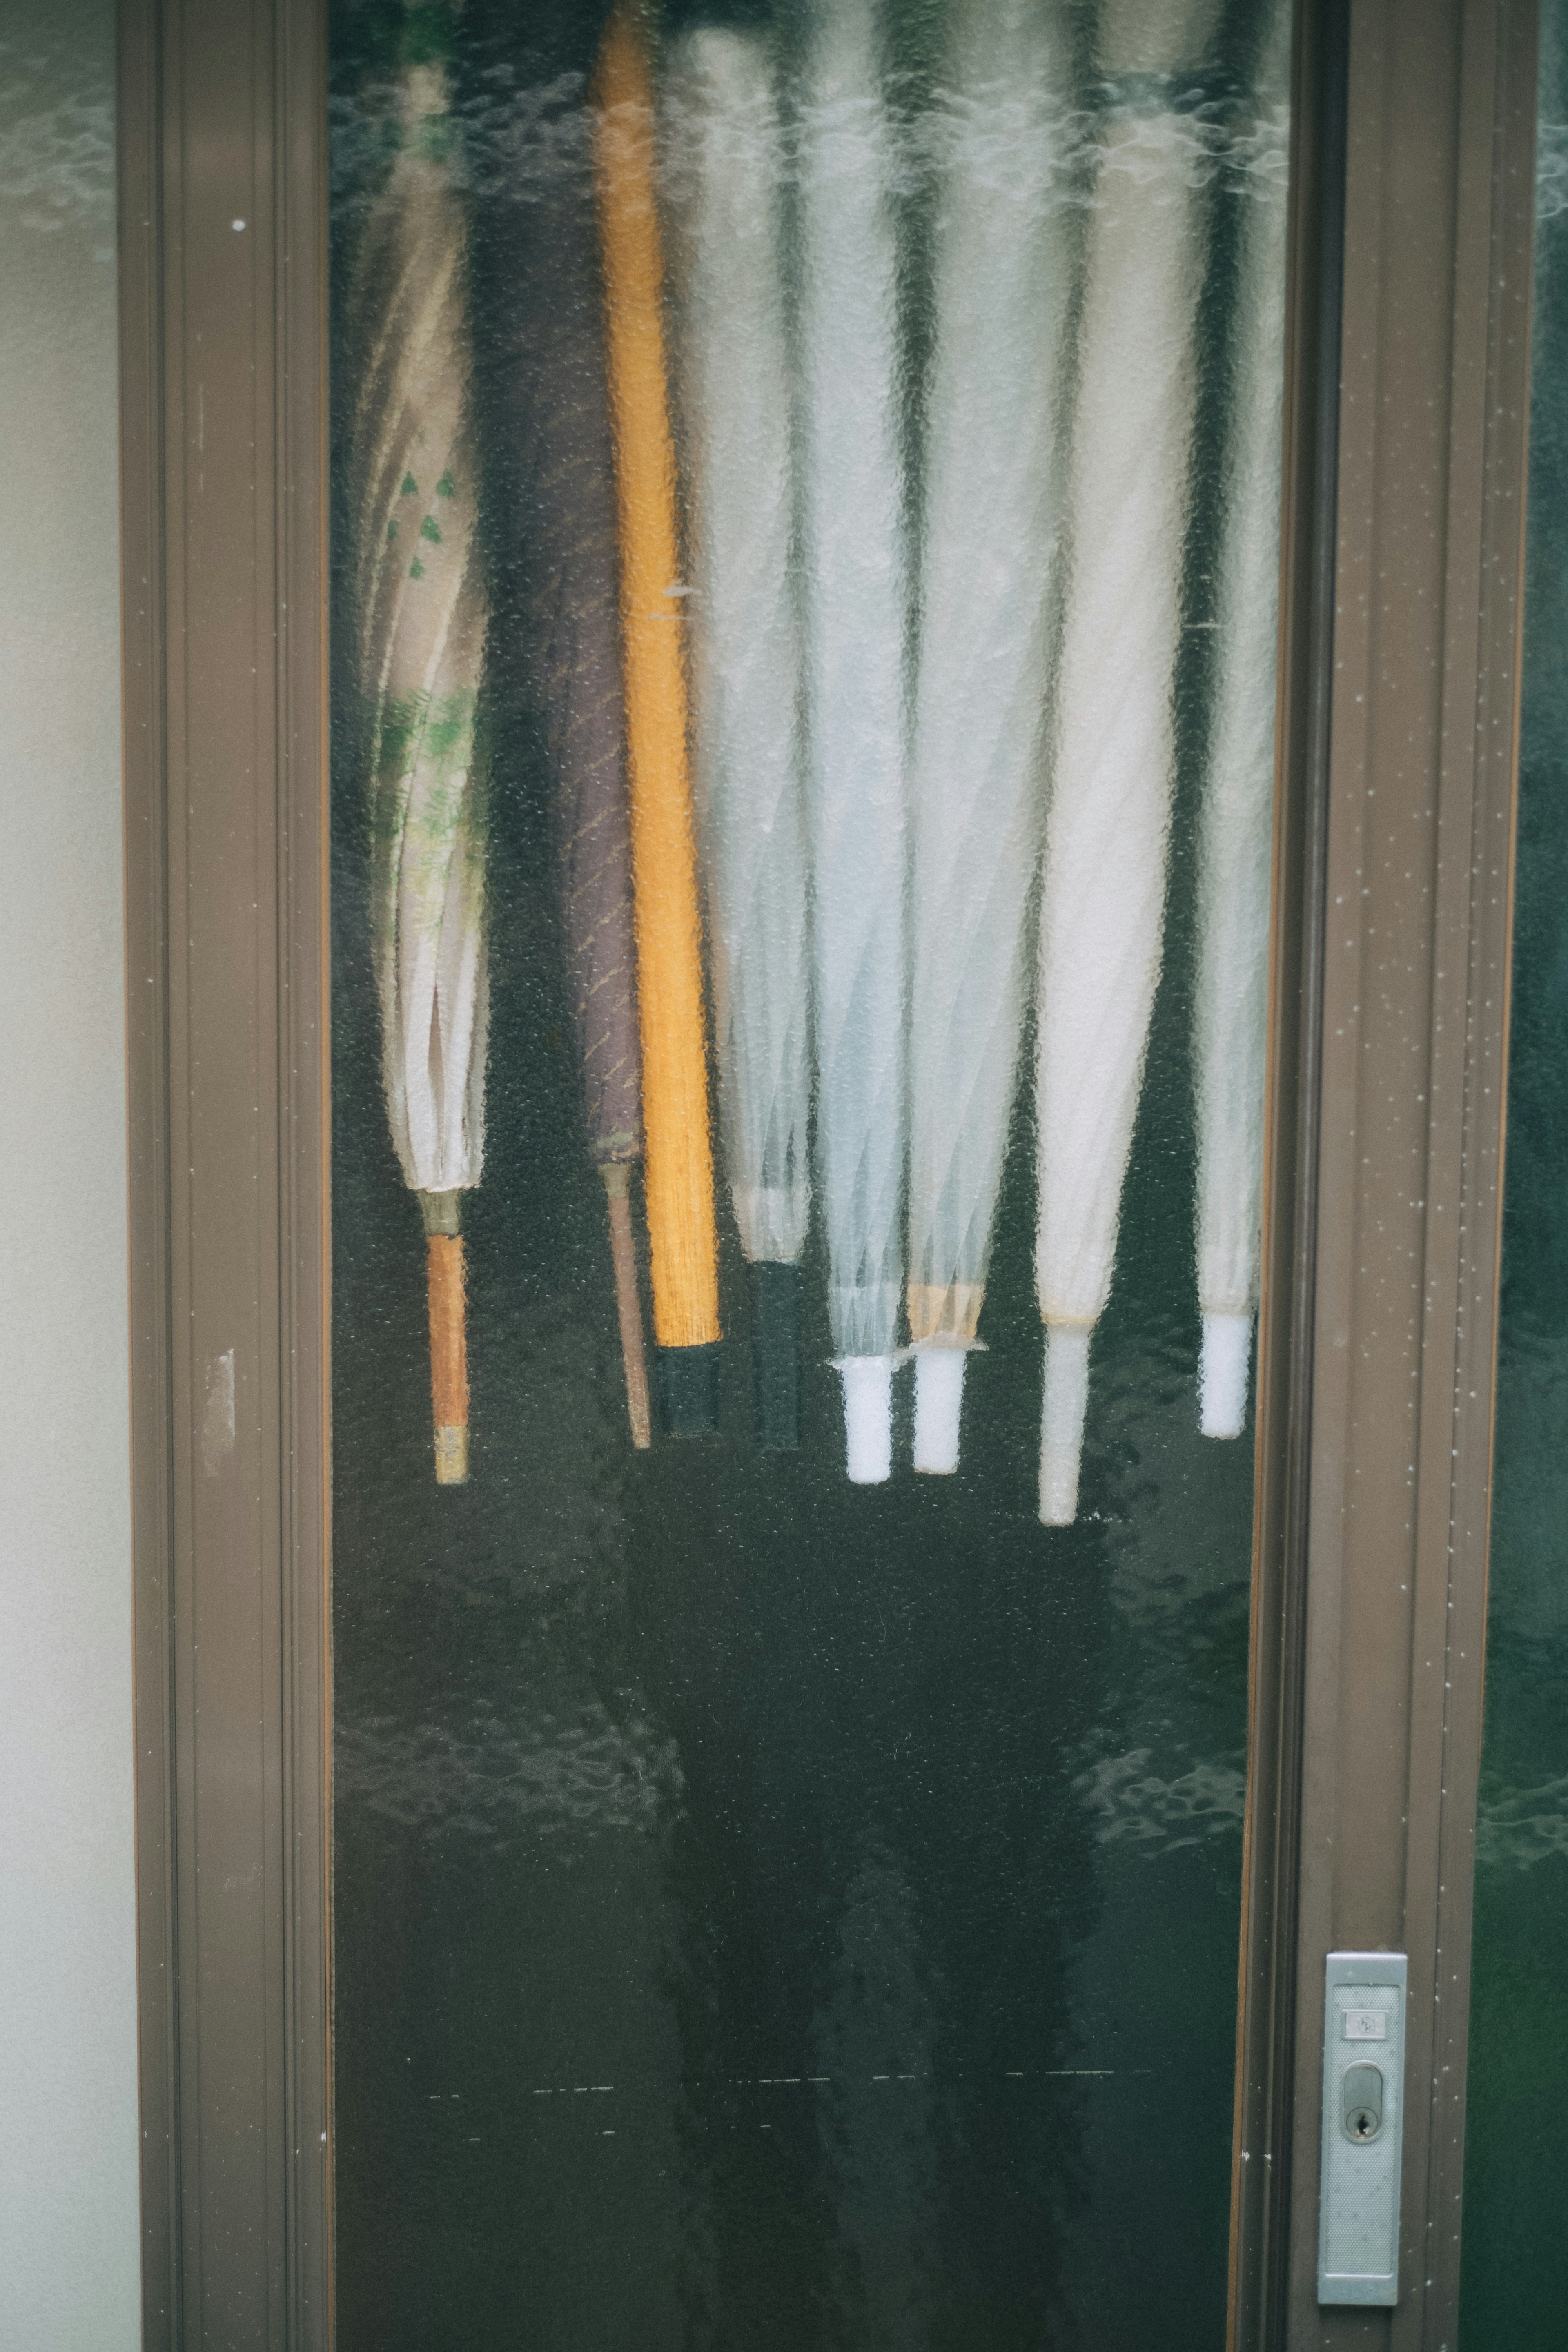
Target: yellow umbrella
point(679, 1154)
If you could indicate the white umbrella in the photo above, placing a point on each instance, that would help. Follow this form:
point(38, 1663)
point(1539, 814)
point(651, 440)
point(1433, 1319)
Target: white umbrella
point(853, 554)
point(1102, 905)
point(1235, 825)
point(422, 624)
point(990, 529)
point(727, 161)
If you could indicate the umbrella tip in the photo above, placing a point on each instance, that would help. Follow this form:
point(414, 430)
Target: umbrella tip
point(688, 1389)
point(868, 1418)
point(1065, 1404)
point(939, 1402)
point(628, 1302)
point(1223, 1374)
point(775, 1353)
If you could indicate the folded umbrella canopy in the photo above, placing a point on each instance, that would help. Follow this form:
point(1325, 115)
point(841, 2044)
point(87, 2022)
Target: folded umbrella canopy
point(678, 1156)
point(991, 523)
point(725, 144)
point(854, 557)
point(422, 618)
point(1235, 825)
point(558, 472)
point(1103, 893)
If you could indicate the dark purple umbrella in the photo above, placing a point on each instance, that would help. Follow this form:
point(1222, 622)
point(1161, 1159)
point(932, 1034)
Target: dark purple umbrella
point(561, 530)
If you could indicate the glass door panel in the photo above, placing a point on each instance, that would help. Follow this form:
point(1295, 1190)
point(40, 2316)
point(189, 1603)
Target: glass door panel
point(806, 569)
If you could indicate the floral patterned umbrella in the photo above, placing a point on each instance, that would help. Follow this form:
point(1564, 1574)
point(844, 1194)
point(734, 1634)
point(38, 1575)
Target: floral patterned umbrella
point(422, 620)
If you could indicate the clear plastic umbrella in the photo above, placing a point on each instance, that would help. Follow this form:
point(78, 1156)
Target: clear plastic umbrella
point(1103, 895)
point(679, 1155)
point(854, 555)
point(422, 627)
point(1002, 258)
point(725, 150)
point(1235, 823)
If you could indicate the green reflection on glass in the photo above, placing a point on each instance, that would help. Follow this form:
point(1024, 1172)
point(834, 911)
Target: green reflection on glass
point(1515, 2274)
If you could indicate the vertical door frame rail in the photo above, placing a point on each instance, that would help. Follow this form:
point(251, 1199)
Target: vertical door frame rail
point(1412, 168)
point(222, 152)
point(1399, 759)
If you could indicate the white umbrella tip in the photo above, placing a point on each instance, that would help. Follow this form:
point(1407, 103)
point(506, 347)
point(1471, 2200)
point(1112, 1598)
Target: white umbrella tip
point(939, 1401)
point(1222, 1374)
point(1066, 1402)
point(868, 1418)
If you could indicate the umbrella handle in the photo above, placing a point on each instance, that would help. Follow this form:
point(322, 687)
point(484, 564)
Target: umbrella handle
point(1062, 1411)
point(868, 1418)
point(775, 1352)
point(1225, 1362)
point(449, 1356)
point(939, 1406)
point(628, 1303)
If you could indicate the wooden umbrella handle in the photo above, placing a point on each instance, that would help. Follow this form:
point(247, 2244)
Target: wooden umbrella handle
point(448, 1357)
point(628, 1304)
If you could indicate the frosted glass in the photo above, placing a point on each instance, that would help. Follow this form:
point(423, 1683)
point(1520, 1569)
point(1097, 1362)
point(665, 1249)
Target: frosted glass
point(787, 1880)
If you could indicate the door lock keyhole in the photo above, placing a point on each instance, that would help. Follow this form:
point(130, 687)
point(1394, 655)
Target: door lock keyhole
point(1362, 2092)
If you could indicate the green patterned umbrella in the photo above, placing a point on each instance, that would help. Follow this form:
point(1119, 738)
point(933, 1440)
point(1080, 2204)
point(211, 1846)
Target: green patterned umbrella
point(422, 619)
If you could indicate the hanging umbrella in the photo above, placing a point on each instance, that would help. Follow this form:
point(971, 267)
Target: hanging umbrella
point(421, 648)
point(854, 562)
point(1102, 905)
point(735, 387)
point(678, 1158)
point(990, 526)
point(559, 470)
point(1236, 825)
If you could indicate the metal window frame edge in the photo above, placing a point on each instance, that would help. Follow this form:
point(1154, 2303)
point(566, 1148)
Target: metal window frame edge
point(1260, 2168)
point(221, 144)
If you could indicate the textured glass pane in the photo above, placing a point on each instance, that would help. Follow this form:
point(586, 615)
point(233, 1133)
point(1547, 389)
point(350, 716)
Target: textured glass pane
point(1515, 2285)
point(807, 489)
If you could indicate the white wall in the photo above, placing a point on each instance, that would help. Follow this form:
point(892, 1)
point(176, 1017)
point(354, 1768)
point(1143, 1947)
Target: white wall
point(68, 2220)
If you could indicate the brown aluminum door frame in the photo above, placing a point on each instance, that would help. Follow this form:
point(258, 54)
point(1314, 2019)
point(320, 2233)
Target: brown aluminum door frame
point(1370, 1593)
point(1367, 1685)
point(222, 147)
point(1439, 208)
